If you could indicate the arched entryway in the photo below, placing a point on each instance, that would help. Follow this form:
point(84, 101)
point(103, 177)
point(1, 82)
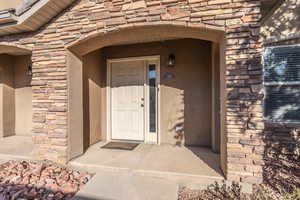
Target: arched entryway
point(15, 101)
point(190, 93)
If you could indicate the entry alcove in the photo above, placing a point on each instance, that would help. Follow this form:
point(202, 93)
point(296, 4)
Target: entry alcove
point(15, 95)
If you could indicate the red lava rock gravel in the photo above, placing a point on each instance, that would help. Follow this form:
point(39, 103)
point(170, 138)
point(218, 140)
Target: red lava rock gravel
point(23, 180)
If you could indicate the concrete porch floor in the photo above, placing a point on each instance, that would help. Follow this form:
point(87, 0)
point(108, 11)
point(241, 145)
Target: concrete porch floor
point(15, 148)
point(154, 160)
point(147, 172)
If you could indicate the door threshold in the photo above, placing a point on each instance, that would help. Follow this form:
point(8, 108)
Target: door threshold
point(126, 141)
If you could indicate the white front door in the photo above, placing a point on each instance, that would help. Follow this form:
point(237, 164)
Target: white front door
point(127, 100)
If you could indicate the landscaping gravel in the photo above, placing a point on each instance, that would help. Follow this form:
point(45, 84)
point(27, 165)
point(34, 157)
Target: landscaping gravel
point(20, 180)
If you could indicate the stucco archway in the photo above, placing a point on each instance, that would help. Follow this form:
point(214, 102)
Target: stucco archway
point(134, 35)
point(130, 34)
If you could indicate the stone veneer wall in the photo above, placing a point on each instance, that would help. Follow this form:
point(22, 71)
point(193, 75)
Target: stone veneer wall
point(238, 18)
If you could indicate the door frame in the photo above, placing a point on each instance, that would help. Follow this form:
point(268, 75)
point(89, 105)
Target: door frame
point(148, 137)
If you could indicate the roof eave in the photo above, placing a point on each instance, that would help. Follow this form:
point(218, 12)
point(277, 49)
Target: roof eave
point(40, 13)
point(7, 17)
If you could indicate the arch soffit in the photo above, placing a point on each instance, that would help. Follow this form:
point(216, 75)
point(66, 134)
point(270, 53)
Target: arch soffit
point(15, 50)
point(142, 34)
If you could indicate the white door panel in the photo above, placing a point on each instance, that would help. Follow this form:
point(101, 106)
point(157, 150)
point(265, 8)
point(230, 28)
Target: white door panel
point(127, 94)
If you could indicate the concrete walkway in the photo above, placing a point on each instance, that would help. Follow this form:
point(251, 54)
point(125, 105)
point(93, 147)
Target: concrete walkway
point(15, 148)
point(127, 185)
point(154, 172)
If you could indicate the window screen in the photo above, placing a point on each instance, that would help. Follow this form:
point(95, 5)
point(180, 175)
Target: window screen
point(282, 83)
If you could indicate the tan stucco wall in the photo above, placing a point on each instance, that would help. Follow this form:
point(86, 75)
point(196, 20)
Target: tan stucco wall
point(8, 111)
point(1, 111)
point(6, 70)
point(284, 23)
point(75, 106)
point(185, 98)
point(23, 96)
point(216, 106)
point(92, 74)
point(7, 106)
point(16, 96)
point(6, 4)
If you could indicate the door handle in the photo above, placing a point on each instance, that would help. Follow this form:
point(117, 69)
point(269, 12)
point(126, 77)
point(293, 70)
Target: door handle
point(142, 105)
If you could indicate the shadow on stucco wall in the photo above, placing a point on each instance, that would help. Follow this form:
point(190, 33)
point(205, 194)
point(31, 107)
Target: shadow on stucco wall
point(190, 91)
point(93, 83)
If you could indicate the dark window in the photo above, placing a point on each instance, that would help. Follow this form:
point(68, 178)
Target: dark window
point(282, 83)
point(152, 74)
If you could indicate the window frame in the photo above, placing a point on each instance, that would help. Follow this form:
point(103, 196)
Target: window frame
point(275, 83)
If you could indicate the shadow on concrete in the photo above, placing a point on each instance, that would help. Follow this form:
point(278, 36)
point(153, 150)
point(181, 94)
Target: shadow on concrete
point(206, 156)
